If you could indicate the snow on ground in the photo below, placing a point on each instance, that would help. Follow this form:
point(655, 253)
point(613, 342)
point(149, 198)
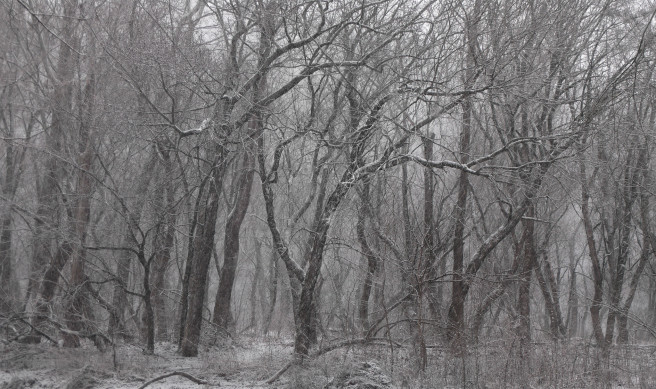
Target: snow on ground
point(248, 362)
point(126, 366)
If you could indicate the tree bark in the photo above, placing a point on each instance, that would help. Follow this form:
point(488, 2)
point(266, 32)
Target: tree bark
point(78, 307)
point(274, 273)
point(526, 266)
point(48, 193)
point(162, 246)
point(622, 324)
point(597, 276)
point(429, 250)
point(368, 255)
point(222, 315)
point(203, 242)
point(573, 300)
point(13, 163)
point(456, 314)
point(618, 268)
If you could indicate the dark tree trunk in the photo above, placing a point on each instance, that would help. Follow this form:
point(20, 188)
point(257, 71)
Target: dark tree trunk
point(550, 296)
point(255, 286)
point(306, 306)
point(222, 315)
point(6, 293)
point(456, 314)
point(623, 319)
point(149, 312)
point(429, 250)
point(162, 246)
point(597, 276)
point(573, 300)
point(203, 242)
point(13, 162)
point(274, 273)
point(368, 255)
point(634, 165)
point(526, 266)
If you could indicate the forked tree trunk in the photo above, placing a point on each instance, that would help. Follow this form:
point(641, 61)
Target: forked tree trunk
point(597, 276)
point(634, 165)
point(203, 241)
point(222, 315)
point(550, 295)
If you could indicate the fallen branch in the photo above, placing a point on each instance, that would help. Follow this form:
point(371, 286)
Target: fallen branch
point(39, 332)
point(279, 373)
point(320, 352)
point(185, 375)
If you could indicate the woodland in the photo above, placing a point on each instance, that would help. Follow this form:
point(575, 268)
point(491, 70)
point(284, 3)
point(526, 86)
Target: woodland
point(452, 193)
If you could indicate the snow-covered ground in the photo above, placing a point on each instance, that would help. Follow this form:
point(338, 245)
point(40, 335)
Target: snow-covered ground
point(126, 366)
point(250, 361)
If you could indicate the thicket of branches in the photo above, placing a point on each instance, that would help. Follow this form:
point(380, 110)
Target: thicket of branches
point(423, 171)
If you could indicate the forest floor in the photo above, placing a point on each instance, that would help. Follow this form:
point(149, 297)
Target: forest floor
point(250, 361)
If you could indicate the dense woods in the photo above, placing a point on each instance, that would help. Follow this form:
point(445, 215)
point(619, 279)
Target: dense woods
point(339, 172)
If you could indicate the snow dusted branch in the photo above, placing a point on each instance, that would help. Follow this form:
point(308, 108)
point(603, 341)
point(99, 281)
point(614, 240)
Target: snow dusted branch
point(194, 131)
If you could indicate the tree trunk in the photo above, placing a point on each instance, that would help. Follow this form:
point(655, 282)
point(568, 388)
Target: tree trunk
point(13, 162)
point(257, 274)
point(306, 306)
point(456, 314)
point(49, 284)
point(573, 300)
point(78, 307)
point(550, 296)
point(163, 244)
point(222, 315)
point(526, 266)
point(410, 282)
point(203, 242)
point(622, 324)
point(47, 220)
point(597, 276)
point(274, 273)
point(429, 250)
point(618, 268)
point(368, 255)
